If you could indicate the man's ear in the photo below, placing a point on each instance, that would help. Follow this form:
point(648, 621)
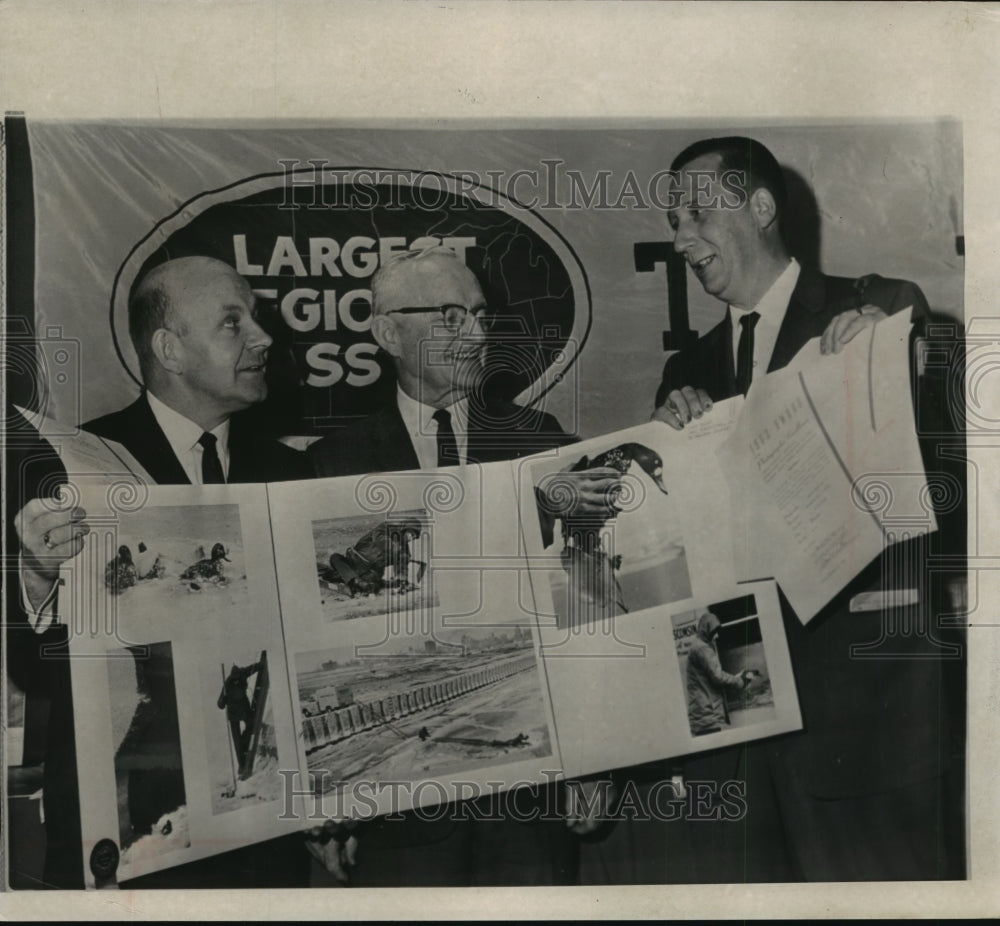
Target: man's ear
point(167, 350)
point(763, 208)
point(385, 334)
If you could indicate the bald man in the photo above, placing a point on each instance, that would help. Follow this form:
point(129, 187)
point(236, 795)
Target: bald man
point(203, 357)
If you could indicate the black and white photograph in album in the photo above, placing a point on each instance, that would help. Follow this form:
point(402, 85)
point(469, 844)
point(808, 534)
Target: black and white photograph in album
point(178, 562)
point(149, 771)
point(374, 564)
point(420, 705)
point(239, 730)
point(723, 666)
point(625, 563)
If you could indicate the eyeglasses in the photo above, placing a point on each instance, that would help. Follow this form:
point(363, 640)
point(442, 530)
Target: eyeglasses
point(454, 315)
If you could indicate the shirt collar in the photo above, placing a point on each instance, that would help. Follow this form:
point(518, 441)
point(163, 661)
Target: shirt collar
point(182, 433)
point(419, 418)
point(773, 304)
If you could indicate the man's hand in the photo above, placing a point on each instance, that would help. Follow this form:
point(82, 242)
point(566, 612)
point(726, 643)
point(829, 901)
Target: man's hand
point(334, 846)
point(588, 495)
point(681, 406)
point(588, 804)
point(846, 326)
point(49, 534)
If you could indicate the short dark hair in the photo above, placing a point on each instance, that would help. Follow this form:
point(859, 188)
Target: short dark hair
point(147, 312)
point(746, 155)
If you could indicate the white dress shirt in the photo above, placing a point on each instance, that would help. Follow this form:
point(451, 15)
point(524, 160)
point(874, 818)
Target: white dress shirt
point(182, 434)
point(44, 616)
point(422, 428)
point(771, 309)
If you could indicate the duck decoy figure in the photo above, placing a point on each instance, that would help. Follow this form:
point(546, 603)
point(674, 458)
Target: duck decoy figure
point(594, 588)
point(210, 568)
point(622, 457)
point(120, 573)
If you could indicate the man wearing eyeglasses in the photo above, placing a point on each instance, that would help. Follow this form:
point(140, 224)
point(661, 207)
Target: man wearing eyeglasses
point(429, 315)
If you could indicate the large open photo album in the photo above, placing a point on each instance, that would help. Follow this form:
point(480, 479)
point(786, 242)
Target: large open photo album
point(249, 660)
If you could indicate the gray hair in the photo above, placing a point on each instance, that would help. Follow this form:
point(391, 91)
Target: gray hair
point(388, 274)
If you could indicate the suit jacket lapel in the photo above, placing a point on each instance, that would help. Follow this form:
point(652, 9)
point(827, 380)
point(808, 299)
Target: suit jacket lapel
point(391, 447)
point(149, 445)
point(725, 353)
point(494, 433)
point(712, 364)
point(806, 310)
point(478, 435)
point(241, 456)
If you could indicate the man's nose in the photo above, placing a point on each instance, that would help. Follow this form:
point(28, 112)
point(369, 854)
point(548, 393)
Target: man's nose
point(257, 337)
point(682, 236)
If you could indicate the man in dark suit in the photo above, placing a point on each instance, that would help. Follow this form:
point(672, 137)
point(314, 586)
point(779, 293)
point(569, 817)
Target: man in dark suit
point(866, 791)
point(774, 306)
point(202, 356)
point(39, 538)
point(430, 316)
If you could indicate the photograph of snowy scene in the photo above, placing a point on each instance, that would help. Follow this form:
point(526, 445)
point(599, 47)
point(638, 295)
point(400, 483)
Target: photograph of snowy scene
point(723, 666)
point(371, 565)
point(620, 564)
point(149, 773)
point(416, 706)
point(239, 729)
point(178, 561)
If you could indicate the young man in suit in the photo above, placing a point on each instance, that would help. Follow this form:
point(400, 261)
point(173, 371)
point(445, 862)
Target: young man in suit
point(202, 356)
point(864, 791)
point(430, 316)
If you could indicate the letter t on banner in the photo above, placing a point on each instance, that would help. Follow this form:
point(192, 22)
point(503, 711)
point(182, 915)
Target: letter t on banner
point(646, 255)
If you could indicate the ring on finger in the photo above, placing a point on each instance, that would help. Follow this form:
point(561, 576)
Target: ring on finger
point(47, 540)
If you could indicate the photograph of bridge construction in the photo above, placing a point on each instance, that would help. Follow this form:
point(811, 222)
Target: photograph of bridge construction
point(418, 705)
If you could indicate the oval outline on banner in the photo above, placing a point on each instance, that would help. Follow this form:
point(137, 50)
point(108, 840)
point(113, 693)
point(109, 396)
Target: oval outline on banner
point(189, 210)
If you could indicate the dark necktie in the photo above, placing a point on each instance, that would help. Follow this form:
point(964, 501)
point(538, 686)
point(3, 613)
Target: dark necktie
point(447, 445)
point(744, 352)
point(211, 466)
